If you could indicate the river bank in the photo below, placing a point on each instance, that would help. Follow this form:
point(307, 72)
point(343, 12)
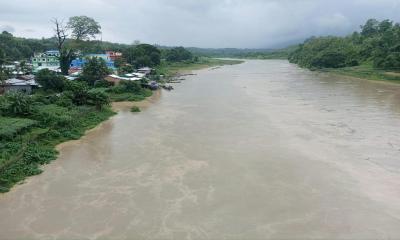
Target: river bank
point(366, 72)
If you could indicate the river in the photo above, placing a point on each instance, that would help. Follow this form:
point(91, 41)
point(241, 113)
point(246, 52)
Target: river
point(259, 150)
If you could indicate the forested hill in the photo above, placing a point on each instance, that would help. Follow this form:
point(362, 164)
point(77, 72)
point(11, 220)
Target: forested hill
point(377, 44)
point(243, 53)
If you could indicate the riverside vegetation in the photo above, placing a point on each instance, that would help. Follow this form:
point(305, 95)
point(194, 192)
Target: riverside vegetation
point(372, 53)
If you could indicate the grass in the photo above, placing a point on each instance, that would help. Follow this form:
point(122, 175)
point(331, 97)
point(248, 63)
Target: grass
point(366, 71)
point(131, 97)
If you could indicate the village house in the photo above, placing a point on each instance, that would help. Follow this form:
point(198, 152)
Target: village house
point(15, 84)
point(80, 62)
point(145, 70)
point(115, 79)
point(48, 59)
point(113, 55)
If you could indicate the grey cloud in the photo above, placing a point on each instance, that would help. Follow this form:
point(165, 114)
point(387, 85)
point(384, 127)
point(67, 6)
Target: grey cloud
point(206, 23)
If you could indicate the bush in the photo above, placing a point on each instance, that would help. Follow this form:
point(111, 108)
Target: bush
point(98, 98)
point(16, 104)
point(39, 154)
point(103, 84)
point(135, 109)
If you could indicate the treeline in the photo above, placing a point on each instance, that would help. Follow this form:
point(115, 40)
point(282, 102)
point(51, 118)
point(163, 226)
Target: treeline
point(14, 48)
point(142, 55)
point(377, 43)
point(229, 52)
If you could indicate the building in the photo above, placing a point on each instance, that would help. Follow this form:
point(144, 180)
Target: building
point(48, 59)
point(145, 70)
point(26, 77)
point(113, 55)
point(80, 62)
point(14, 84)
point(115, 79)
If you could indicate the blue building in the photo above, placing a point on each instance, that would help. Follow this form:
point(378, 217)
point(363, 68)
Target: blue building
point(80, 62)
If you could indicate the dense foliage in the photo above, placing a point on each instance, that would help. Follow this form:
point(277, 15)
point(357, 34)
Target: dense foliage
point(178, 54)
point(143, 55)
point(377, 42)
point(83, 27)
point(50, 80)
point(14, 48)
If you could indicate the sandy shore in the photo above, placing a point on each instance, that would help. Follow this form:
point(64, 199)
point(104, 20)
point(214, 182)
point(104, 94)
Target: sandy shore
point(123, 106)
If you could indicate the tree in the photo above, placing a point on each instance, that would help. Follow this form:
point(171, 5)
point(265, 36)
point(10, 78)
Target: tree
point(378, 43)
point(83, 27)
point(3, 75)
point(178, 54)
point(143, 55)
point(2, 57)
point(98, 98)
point(95, 69)
point(66, 54)
point(326, 52)
point(50, 80)
point(370, 28)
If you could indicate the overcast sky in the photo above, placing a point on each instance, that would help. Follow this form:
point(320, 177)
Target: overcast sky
point(200, 23)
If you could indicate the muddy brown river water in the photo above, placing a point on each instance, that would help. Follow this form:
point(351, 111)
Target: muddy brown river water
point(260, 150)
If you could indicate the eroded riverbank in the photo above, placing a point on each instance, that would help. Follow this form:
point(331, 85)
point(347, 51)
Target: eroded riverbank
point(258, 150)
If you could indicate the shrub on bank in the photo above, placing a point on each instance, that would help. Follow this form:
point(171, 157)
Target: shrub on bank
point(135, 109)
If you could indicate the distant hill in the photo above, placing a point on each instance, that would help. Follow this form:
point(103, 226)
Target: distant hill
point(244, 53)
